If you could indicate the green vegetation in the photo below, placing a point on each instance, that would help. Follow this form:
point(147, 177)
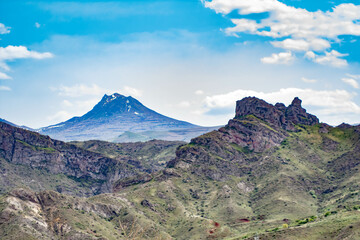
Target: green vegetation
point(152, 155)
point(37, 148)
point(304, 187)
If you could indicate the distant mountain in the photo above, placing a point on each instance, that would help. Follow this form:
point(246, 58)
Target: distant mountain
point(111, 117)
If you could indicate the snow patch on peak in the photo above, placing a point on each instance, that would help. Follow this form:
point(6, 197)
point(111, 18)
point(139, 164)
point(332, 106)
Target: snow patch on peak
point(110, 99)
point(55, 126)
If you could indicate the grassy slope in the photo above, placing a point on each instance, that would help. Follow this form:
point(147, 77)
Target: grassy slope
point(294, 181)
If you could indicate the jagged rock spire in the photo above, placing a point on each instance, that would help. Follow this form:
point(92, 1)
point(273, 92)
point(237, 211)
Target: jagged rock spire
point(278, 115)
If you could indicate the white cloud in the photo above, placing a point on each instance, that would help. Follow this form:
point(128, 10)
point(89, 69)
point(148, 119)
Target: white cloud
point(308, 80)
point(5, 88)
point(37, 25)
point(17, 52)
point(4, 66)
point(184, 104)
point(280, 58)
point(242, 25)
point(334, 102)
point(352, 82)
point(199, 92)
point(287, 21)
point(4, 76)
point(79, 90)
point(131, 91)
point(10, 53)
point(243, 7)
point(60, 116)
point(302, 45)
point(332, 58)
point(67, 103)
point(85, 105)
point(353, 76)
point(4, 29)
point(303, 30)
point(73, 108)
point(310, 55)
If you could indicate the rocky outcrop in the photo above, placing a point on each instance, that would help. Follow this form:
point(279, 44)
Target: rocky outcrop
point(41, 215)
point(138, 179)
point(295, 114)
point(272, 115)
point(256, 127)
point(276, 116)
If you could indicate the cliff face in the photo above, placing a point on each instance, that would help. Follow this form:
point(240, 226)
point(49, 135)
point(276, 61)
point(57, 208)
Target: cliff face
point(278, 116)
point(26, 148)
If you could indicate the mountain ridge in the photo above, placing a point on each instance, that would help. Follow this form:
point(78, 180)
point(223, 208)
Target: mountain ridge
point(114, 115)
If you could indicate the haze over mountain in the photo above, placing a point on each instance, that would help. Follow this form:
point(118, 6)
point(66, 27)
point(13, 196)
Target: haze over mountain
point(15, 125)
point(116, 114)
point(7, 122)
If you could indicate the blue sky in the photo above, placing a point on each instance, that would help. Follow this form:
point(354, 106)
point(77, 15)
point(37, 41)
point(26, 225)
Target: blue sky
point(189, 60)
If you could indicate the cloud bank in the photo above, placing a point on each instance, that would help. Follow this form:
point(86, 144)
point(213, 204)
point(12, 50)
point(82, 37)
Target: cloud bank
point(300, 30)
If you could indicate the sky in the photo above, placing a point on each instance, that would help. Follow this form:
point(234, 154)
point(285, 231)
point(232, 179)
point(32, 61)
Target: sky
point(186, 59)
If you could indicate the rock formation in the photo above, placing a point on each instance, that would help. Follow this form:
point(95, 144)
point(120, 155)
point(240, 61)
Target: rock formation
point(276, 116)
point(256, 127)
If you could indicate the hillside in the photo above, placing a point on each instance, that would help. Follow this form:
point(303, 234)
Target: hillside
point(273, 171)
point(28, 159)
point(150, 156)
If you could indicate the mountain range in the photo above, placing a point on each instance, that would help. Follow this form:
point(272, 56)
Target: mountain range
point(123, 119)
point(273, 172)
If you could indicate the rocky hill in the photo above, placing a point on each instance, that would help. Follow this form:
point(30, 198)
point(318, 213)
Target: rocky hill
point(114, 115)
point(270, 171)
point(41, 163)
point(273, 172)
